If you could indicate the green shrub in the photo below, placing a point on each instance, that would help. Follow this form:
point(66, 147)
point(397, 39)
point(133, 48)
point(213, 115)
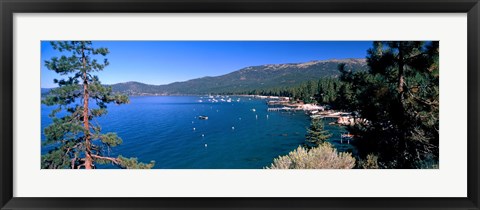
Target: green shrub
point(371, 162)
point(322, 157)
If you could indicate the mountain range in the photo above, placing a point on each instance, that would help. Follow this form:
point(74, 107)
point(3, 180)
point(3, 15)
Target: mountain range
point(247, 79)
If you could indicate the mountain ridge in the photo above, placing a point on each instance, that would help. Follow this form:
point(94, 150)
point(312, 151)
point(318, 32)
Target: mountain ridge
point(246, 79)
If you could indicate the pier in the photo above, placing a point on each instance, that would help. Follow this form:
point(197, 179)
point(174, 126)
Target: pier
point(273, 109)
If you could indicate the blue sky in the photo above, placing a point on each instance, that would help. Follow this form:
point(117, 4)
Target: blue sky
point(163, 62)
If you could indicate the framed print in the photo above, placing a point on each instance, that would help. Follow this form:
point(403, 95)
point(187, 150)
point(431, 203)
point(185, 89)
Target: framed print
point(239, 105)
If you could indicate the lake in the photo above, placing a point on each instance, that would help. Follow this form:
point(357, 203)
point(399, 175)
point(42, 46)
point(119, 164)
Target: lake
point(237, 135)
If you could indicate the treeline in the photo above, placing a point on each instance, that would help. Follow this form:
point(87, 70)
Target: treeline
point(326, 90)
point(398, 96)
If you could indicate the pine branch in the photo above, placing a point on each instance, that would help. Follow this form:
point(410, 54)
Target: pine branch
point(113, 160)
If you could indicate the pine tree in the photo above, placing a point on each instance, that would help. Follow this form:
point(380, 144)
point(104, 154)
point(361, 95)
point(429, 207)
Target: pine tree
point(316, 134)
point(399, 98)
point(76, 139)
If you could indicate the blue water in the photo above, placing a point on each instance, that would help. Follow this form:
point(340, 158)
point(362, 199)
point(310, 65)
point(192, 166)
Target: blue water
point(167, 129)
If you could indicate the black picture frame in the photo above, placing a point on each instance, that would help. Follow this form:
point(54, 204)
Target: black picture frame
point(10, 7)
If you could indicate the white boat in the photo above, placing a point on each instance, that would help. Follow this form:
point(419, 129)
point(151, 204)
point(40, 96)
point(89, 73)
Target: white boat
point(347, 136)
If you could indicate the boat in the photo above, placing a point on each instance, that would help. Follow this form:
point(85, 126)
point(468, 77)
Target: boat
point(347, 136)
point(203, 117)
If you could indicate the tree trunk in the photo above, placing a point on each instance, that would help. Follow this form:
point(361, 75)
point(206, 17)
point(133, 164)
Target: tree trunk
point(401, 98)
point(88, 157)
point(400, 72)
